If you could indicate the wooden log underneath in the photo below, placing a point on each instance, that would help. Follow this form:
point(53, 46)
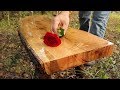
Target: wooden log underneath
point(77, 47)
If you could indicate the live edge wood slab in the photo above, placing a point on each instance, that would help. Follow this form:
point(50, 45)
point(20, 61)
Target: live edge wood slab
point(77, 47)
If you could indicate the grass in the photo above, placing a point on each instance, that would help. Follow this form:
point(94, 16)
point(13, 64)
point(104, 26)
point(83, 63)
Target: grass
point(114, 22)
point(15, 62)
point(108, 68)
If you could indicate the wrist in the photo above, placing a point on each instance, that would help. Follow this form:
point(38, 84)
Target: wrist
point(65, 12)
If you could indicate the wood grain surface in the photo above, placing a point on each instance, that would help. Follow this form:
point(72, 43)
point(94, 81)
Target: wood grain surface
point(77, 47)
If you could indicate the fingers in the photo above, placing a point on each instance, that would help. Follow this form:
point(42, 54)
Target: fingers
point(59, 21)
point(55, 24)
point(65, 27)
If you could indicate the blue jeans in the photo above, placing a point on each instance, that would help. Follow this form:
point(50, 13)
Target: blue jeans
point(99, 22)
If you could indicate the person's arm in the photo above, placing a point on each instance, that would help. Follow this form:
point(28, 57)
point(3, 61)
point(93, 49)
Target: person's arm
point(61, 20)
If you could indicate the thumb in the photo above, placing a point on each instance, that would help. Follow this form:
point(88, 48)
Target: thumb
point(65, 27)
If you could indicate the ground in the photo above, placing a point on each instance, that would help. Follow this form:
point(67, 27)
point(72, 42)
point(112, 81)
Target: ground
point(15, 62)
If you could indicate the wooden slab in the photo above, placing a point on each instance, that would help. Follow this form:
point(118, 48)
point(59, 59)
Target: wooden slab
point(77, 47)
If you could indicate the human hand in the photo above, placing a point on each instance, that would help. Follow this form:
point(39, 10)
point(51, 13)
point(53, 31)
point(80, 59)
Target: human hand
point(60, 21)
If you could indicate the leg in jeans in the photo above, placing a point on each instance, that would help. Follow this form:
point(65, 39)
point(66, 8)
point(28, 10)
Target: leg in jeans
point(84, 19)
point(99, 23)
point(98, 27)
